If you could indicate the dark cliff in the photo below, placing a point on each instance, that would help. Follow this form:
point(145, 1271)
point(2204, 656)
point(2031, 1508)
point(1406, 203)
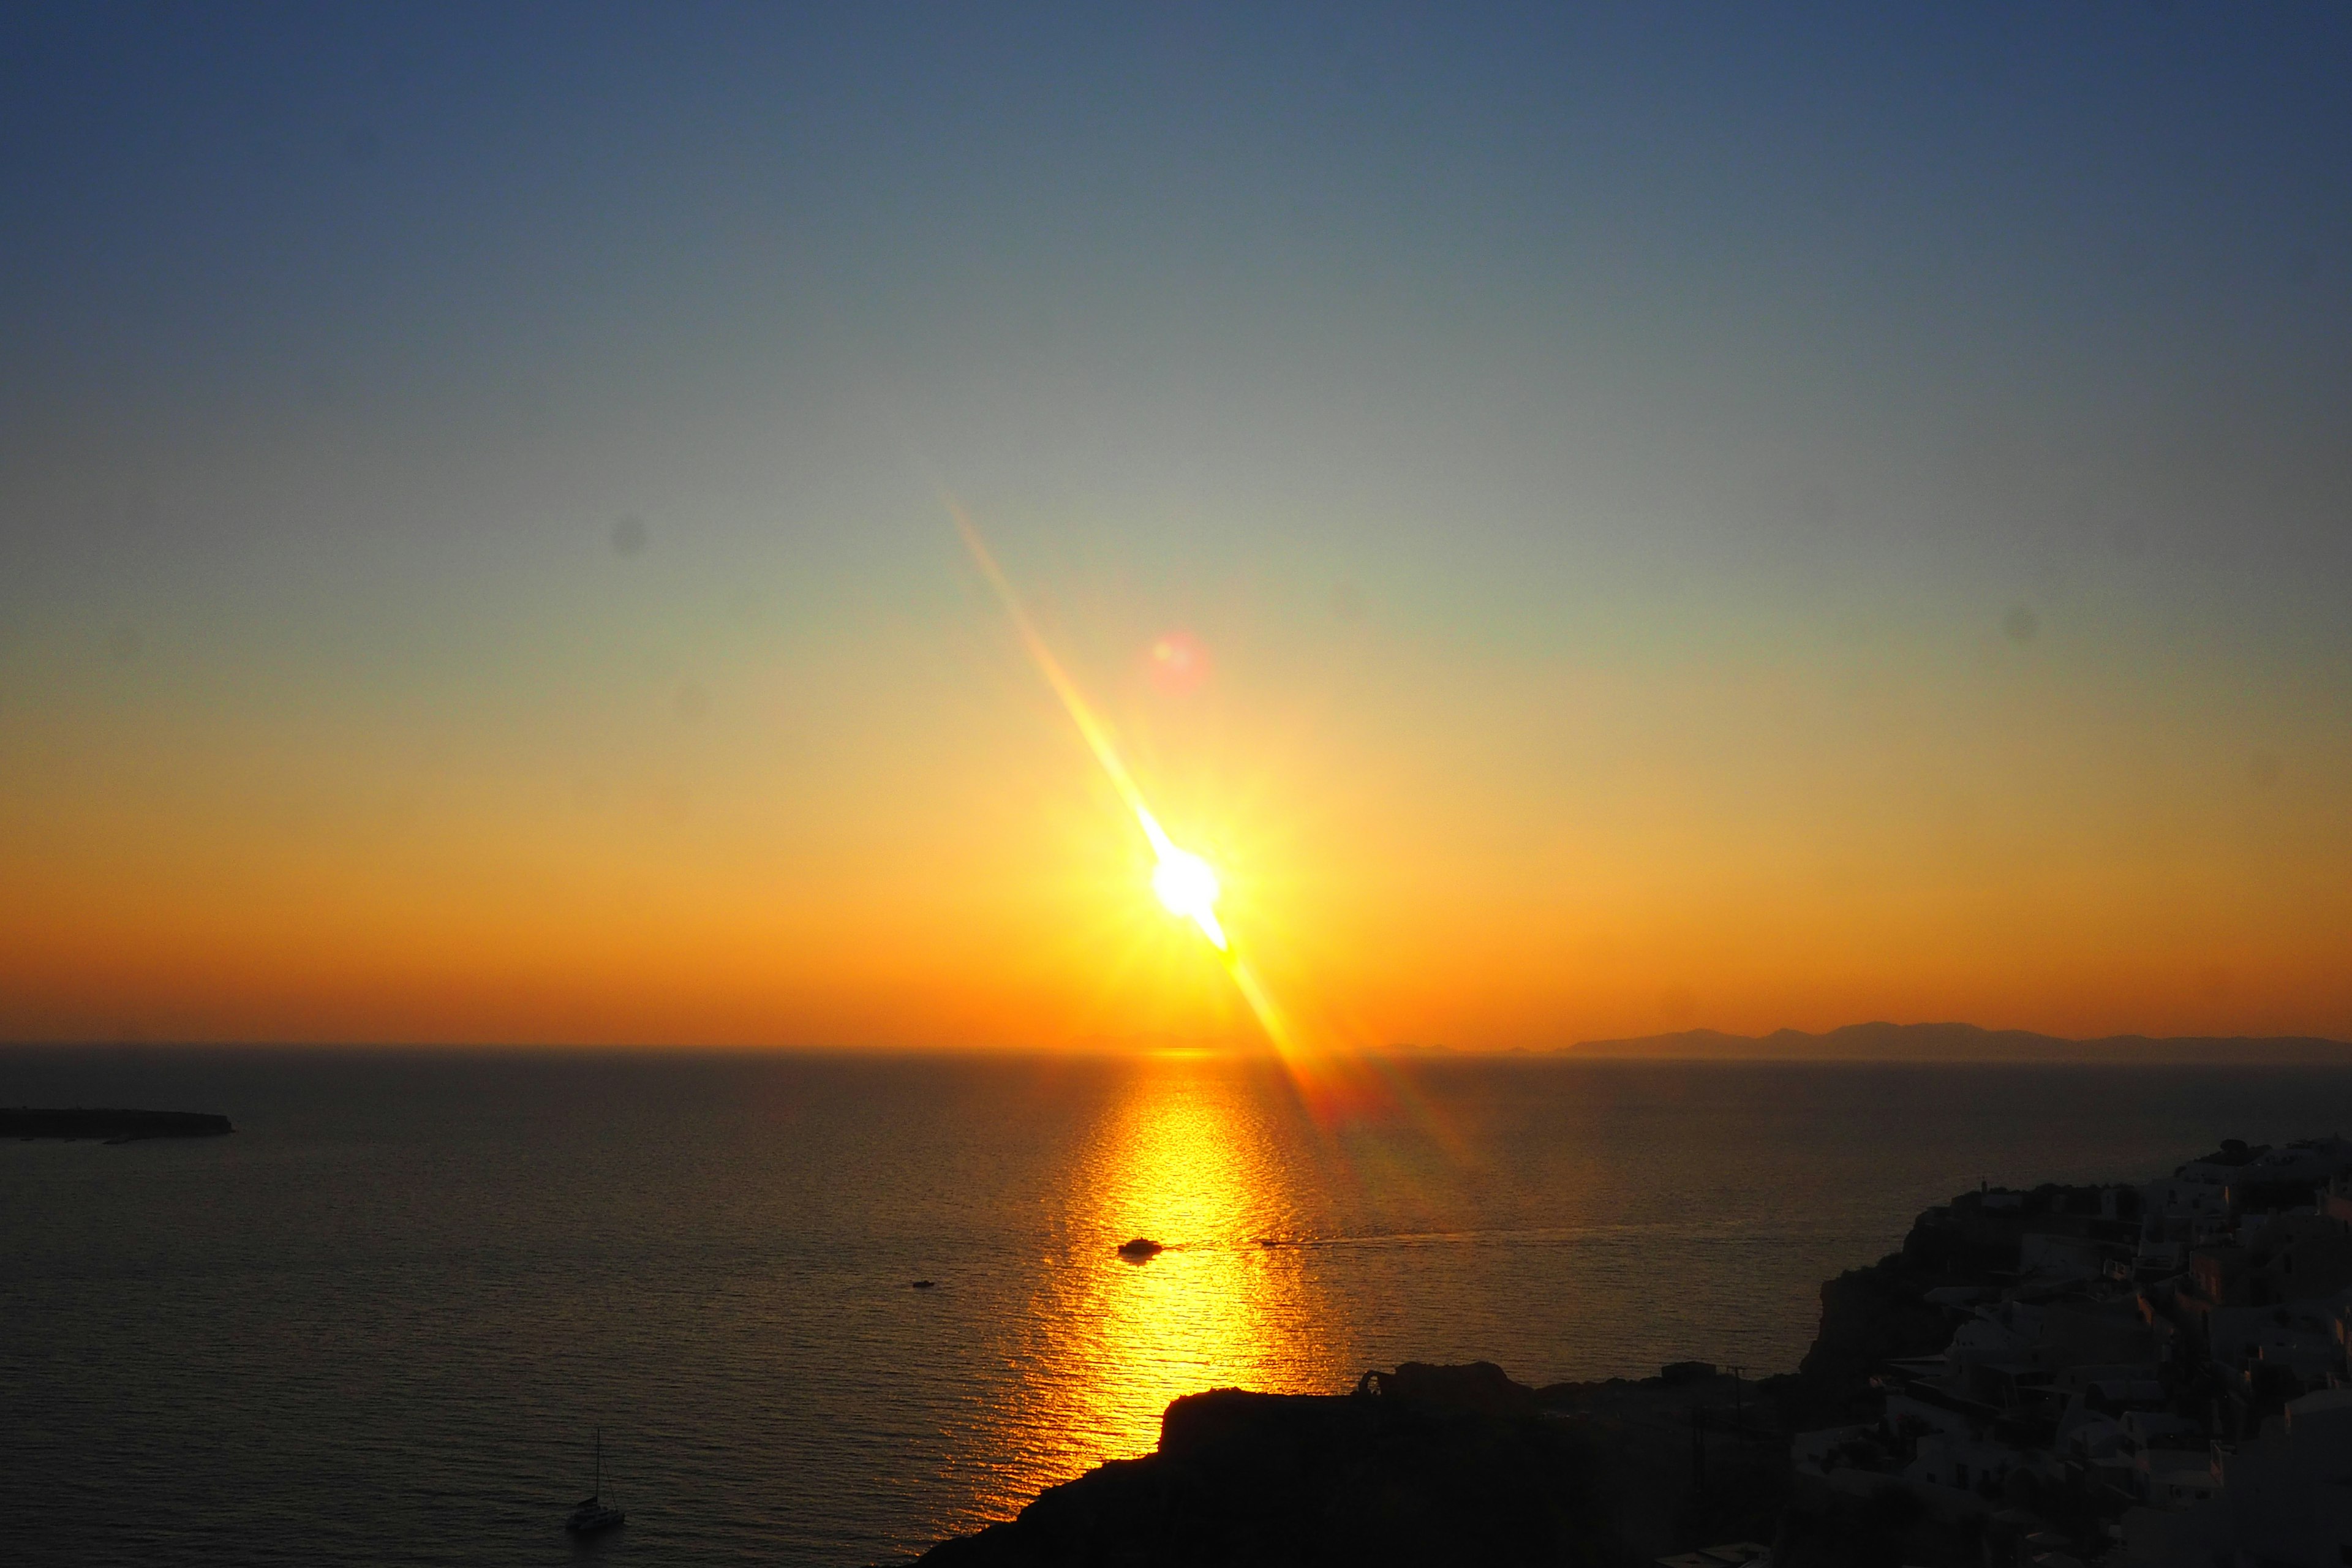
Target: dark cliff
point(1426, 1465)
point(114, 1126)
point(1444, 1465)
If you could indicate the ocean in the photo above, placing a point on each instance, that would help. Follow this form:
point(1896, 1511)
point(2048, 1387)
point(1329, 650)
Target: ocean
point(383, 1321)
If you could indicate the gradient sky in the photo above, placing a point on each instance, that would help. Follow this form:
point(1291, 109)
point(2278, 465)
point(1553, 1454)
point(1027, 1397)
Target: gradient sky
point(1731, 515)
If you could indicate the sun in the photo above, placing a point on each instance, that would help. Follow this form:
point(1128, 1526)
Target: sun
point(1188, 888)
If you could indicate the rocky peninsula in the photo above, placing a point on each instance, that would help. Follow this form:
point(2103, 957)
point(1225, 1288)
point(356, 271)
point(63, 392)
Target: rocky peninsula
point(2137, 1375)
point(110, 1126)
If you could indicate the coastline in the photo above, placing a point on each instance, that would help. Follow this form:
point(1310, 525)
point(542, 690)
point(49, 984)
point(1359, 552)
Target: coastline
point(2043, 1378)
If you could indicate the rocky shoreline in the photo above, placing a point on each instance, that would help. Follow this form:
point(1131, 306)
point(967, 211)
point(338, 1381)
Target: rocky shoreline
point(1426, 1465)
point(1460, 1464)
point(1698, 1468)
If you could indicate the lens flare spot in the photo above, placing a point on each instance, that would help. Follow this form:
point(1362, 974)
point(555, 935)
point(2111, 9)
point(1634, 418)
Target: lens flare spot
point(1176, 665)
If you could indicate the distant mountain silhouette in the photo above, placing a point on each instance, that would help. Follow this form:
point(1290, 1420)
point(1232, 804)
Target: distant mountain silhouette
point(1959, 1043)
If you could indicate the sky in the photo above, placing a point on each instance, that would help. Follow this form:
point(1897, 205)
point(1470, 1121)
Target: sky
point(1707, 516)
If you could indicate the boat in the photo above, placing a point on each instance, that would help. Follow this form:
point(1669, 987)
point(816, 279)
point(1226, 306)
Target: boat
point(593, 1516)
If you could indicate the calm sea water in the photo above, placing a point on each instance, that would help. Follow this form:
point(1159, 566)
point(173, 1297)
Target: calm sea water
point(381, 1322)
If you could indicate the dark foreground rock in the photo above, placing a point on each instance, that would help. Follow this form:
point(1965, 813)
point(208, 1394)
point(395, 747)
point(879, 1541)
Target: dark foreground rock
point(1444, 1465)
point(1425, 1464)
point(113, 1126)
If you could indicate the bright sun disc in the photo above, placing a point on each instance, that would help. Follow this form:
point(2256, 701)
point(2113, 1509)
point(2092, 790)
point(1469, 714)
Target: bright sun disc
point(1188, 888)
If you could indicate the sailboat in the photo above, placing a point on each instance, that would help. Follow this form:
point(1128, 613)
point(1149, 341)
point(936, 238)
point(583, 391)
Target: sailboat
point(591, 1515)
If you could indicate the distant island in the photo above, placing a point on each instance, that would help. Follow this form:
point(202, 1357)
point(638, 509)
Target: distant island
point(111, 1126)
point(1960, 1043)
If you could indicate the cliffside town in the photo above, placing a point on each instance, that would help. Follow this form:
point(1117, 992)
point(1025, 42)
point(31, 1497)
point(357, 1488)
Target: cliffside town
point(2147, 1376)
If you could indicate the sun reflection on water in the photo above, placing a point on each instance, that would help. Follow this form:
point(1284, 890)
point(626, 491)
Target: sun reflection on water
point(1183, 1159)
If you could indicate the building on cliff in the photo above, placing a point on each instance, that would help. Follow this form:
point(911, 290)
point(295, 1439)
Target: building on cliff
point(2146, 1377)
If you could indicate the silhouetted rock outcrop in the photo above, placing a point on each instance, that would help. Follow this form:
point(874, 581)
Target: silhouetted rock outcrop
point(1459, 1463)
point(114, 1126)
point(1425, 1464)
point(1480, 1385)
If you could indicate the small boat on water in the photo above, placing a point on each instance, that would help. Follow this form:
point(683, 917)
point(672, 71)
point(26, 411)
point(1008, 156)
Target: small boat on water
point(592, 1515)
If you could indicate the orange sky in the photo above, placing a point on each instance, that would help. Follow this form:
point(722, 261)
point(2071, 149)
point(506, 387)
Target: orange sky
point(895, 837)
point(1842, 518)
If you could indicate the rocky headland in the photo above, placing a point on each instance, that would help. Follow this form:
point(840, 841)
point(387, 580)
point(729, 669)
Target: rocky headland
point(110, 1126)
point(1839, 1464)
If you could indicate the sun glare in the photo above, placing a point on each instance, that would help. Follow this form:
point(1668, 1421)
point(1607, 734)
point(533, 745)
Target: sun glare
point(1182, 879)
point(1188, 888)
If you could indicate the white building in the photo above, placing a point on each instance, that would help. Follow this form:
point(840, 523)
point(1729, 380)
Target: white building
point(2289, 1491)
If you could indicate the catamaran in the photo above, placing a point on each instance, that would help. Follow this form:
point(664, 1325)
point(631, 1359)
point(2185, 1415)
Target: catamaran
point(592, 1515)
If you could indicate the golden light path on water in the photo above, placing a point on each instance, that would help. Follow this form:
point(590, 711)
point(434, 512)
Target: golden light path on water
point(1181, 1156)
point(1184, 1159)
